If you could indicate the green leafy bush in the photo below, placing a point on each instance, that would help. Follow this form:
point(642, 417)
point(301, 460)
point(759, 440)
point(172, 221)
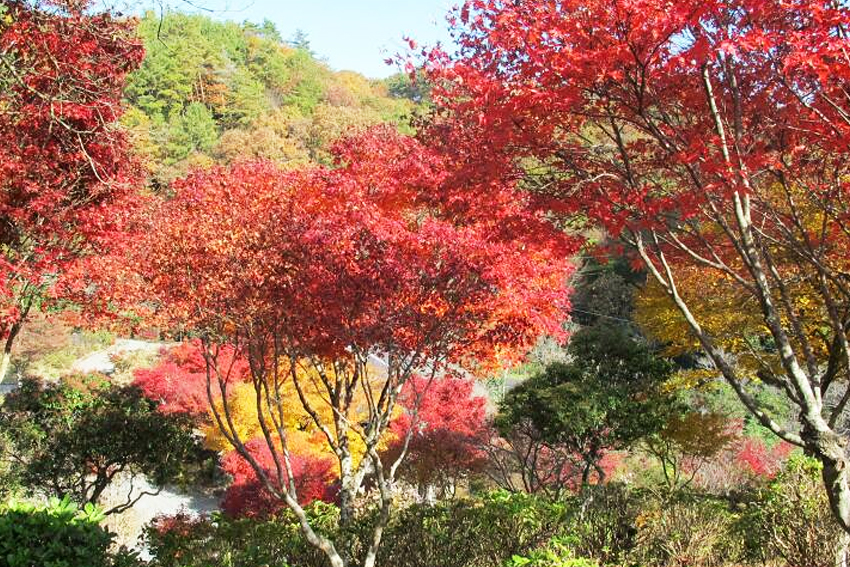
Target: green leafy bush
point(54, 432)
point(472, 533)
point(461, 533)
point(58, 534)
point(604, 519)
point(557, 553)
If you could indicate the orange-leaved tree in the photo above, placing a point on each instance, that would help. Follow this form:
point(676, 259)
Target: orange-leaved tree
point(343, 283)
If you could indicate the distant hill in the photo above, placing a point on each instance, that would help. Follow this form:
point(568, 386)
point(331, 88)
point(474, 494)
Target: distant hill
point(218, 91)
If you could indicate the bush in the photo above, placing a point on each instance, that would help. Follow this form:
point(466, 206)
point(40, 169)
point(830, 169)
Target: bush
point(57, 535)
point(558, 553)
point(791, 518)
point(84, 424)
point(460, 533)
point(471, 533)
point(604, 521)
point(687, 532)
point(184, 541)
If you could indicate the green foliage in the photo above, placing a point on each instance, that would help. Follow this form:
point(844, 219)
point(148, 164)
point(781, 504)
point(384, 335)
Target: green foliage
point(557, 553)
point(202, 80)
point(57, 534)
point(75, 437)
point(194, 130)
point(609, 396)
point(687, 532)
point(608, 524)
point(719, 397)
point(604, 521)
point(604, 293)
point(400, 85)
point(472, 533)
point(460, 533)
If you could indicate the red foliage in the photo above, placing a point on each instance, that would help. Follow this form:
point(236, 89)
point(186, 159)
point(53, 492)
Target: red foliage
point(179, 381)
point(67, 182)
point(535, 80)
point(704, 133)
point(756, 458)
point(248, 497)
point(328, 267)
point(358, 255)
point(180, 524)
point(449, 430)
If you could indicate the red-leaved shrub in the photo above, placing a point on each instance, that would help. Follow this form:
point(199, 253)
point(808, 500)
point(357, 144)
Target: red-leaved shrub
point(248, 497)
point(449, 430)
point(179, 383)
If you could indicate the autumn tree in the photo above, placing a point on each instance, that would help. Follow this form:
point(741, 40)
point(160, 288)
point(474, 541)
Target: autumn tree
point(65, 175)
point(686, 442)
point(709, 136)
point(177, 383)
point(521, 459)
point(449, 431)
point(312, 474)
point(351, 281)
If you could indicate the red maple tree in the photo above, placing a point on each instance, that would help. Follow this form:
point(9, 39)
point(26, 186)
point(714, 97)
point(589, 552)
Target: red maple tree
point(178, 382)
point(449, 431)
point(319, 274)
point(66, 178)
point(707, 135)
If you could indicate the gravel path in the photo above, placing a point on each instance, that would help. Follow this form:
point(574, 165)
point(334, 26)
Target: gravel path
point(101, 361)
point(129, 525)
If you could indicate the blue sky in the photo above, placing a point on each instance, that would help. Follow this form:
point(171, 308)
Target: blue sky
point(353, 35)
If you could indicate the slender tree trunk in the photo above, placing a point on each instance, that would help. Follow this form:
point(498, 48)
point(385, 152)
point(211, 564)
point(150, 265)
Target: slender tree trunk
point(585, 475)
point(6, 361)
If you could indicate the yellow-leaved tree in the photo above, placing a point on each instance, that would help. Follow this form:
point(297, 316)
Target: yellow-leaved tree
point(303, 436)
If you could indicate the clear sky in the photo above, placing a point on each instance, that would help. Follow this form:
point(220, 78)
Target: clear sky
point(352, 35)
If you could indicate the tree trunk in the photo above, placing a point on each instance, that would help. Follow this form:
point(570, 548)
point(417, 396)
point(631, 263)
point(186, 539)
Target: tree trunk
point(346, 506)
point(585, 475)
point(830, 450)
point(6, 361)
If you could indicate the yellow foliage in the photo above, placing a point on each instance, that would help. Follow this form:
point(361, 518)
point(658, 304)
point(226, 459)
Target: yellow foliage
point(302, 433)
point(727, 313)
point(277, 136)
point(721, 310)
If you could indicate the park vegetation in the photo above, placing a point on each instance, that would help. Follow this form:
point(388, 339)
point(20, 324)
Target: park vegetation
point(573, 295)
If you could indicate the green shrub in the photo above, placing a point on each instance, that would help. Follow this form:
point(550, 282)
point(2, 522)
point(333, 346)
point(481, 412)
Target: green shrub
point(55, 432)
point(484, 532)
point(56, 535)
point(557, 553)
point(604, 521)
point(185, 541)
point(471, 533)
